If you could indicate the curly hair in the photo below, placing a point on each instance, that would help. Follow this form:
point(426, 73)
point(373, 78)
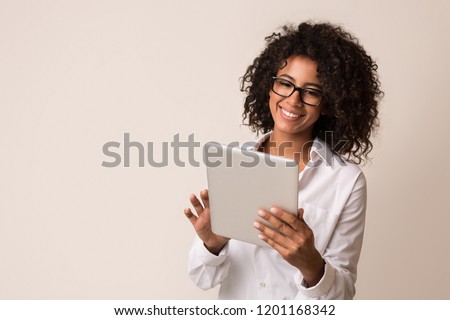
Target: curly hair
point(351, 89)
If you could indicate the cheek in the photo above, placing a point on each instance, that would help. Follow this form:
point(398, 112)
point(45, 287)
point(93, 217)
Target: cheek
point(316, 116)
point(273, 100)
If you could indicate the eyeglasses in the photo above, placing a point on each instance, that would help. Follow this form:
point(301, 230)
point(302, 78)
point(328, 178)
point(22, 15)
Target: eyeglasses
point(285, 88)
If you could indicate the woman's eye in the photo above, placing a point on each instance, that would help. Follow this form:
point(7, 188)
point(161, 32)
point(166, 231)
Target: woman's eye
point(285, 84)
point(313, 93)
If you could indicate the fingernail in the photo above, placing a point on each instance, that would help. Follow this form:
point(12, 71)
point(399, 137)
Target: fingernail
point(274, 210)
point(256, 224)
point(261, 213)
point(261, 236)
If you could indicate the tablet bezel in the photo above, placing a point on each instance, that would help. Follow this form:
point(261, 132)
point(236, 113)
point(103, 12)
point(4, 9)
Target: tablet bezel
point(249, 181)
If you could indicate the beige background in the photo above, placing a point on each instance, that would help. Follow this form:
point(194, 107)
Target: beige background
point(77, 74)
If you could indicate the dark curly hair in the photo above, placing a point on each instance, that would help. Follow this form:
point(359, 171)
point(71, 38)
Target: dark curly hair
point(351, 89)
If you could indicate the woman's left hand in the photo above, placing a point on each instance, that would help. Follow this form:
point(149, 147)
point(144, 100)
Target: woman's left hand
point(294, 240)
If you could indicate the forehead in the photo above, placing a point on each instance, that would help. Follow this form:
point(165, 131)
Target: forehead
point(299, 68)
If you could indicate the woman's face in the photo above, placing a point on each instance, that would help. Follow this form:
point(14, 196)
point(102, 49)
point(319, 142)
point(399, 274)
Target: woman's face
point(292, 116)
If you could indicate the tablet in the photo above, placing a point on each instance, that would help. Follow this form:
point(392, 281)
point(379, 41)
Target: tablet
point(242, 181)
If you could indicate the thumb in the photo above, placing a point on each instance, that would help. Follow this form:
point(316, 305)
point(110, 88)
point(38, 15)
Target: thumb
point(300, 213)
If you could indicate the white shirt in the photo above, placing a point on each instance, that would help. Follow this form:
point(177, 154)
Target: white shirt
point(332, 193)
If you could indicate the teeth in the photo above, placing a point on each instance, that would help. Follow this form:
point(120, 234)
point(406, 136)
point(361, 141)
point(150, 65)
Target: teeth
point(290, 115)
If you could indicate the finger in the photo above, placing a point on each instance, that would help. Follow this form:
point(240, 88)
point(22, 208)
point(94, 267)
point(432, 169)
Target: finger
point(272, 235)
point(300, 213)
point(192, 217)
point(281, 250)
point(292, 220)
point(205, 197)
point(196, 203)
point(277, 224)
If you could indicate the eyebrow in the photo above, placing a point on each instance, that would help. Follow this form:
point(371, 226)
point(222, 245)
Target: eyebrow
point(305, 84)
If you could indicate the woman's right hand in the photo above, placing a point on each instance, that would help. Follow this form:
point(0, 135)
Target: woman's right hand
point(202, 223)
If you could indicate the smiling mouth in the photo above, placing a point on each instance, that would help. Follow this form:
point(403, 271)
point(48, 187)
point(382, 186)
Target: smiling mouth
point(289, 114)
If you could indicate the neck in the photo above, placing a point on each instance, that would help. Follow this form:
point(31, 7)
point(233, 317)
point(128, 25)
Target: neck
point(294, 146)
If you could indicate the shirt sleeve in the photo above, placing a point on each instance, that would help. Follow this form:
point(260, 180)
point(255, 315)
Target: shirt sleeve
point(343, 250)
point(206, 269)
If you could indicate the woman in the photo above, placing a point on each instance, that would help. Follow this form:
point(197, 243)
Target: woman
point(314, 93)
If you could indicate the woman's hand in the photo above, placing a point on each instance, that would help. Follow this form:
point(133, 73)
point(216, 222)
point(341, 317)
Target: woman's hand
point(294, 240)
point(202, 223)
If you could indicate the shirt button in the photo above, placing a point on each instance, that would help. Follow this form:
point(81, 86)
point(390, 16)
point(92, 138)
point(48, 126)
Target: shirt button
point(262, 284)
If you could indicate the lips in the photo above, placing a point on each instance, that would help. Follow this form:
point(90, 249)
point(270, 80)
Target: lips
point(289, 115)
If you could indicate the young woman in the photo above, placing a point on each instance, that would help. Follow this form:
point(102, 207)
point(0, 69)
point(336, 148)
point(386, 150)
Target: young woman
point(313, 93)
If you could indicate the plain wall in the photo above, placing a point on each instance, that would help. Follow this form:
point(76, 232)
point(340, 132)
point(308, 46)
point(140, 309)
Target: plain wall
point(77, 74)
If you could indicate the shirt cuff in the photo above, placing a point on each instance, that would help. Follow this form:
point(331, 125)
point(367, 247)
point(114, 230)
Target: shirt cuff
point(321, 288)
point(207, 257)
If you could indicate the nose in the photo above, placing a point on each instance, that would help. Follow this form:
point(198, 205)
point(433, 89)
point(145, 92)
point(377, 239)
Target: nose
point(295, 99)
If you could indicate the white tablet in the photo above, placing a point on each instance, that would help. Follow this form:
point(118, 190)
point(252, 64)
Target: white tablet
point(240, 182)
